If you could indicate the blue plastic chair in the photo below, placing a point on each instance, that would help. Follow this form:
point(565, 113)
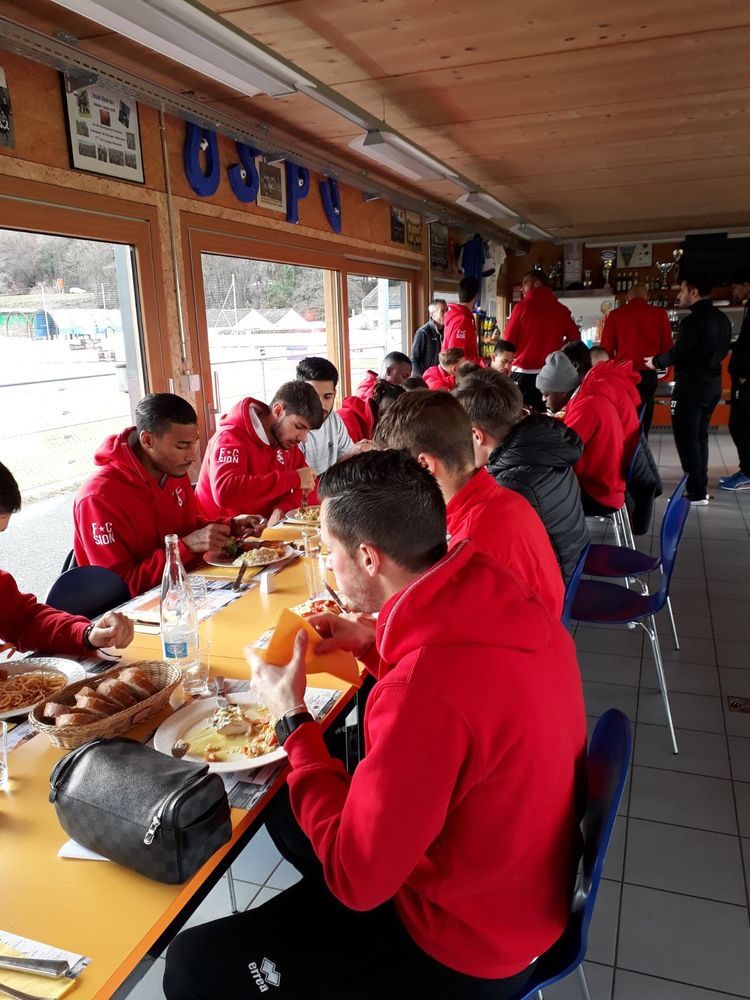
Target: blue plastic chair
point(605, 603)
point(609, 758)
point(612, 561)
point(620, 516)
point(87, 590)
point(570, 590)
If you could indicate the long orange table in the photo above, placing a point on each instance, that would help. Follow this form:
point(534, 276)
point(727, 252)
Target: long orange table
point(98, 908)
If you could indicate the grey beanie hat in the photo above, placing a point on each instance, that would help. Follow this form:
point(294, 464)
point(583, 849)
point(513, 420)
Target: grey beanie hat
point(558, 374)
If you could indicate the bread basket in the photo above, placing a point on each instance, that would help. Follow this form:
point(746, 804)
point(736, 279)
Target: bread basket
point(68, 737)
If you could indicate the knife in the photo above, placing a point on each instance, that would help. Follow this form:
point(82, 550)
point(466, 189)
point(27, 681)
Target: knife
point(53, 968)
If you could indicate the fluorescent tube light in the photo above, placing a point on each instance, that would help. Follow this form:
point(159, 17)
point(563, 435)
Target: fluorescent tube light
point(485, 205)
point(194, 38)
point(399, 155)
point(528, 231)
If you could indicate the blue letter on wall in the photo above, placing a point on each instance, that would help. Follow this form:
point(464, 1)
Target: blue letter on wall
point(297, 188)
point(329, 192)
point(243, 176)
point(197, 139)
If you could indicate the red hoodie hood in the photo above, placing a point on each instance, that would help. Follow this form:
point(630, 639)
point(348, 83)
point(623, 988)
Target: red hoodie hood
point(448, 592)
point(116, 452)
point(616, 380)
point(238, 418)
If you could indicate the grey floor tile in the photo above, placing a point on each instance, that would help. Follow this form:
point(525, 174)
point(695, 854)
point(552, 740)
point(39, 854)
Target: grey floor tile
point(603, 932)
point(689, 711)
point(608, 669)
point(698, 626)
point(149, 988)
point(730, 653)
point(728, 533)
point(683, 799)
point(737, 723)
point(720, 571)
point(265, 894)
point(695, 941)
point(721, 590)
point(739, 754)
point(700, 753)
point(285, 876)
point(676, 859)
point(687, 588)
point(615, 859)
point(685, 604)
point(633, 986)
point(732, 608)
point(690, 678)
point(735, 629)
point(742, 791)
point(599, 978)
point(745, 842)
point(217, 903)
point(600, 697)
point(258, 860)
point(734, 682)
point(691, 650)
point(621, 642)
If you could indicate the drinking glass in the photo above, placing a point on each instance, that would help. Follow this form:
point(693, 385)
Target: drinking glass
point(196, 671)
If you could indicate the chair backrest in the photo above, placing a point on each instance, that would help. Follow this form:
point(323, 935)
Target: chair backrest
point(570, 590)
point(87, 590)
point(631, 467)
point(642, 412)
point(672, 527)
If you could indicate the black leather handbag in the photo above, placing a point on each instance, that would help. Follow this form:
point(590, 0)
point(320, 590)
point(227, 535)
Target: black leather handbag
point(158, 815)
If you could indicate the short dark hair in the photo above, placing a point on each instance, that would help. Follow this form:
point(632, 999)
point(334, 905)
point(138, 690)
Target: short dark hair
point(10, 495)
point(579, 356)
point(537, 274)
point(395, 358)
point(365, 500)
point(468, 289)
point(741, 276)
point(383, 390)
point(700, 281)
point(437, 302)
point(467, 368)
point(504, 345)
point(491, 405)
point(415, 382)
point(451, 355)
point(429, 422)
point(300, 400)
point(317, 370)
point(157, 411)
point(488, 376)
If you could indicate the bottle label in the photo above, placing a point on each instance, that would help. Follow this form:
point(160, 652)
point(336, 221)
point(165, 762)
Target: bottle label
point(176, 650)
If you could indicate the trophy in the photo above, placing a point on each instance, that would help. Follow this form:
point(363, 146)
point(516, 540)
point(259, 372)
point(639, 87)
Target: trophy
point(555, 274)
point(677, 257)
point(587, 278)
point(608, 259)
point(664, 268)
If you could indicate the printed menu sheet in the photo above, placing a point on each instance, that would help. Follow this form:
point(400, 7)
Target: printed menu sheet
point(29, 948)
point(144, 609)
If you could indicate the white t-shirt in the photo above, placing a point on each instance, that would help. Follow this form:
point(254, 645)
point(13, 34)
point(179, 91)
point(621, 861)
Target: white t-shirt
point(325, 446)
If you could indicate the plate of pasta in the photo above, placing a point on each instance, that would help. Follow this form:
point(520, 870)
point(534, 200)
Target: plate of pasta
point(25, 683)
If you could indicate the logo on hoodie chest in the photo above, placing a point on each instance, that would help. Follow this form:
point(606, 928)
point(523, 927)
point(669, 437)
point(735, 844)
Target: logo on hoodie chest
point(280, 456)
point(228, 456)
point(179, 495)
point(103, 534)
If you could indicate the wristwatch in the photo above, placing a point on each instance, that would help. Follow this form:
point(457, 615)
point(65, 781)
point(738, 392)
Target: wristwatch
point(288, 723)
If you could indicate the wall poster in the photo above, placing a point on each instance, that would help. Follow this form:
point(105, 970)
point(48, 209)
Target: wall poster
point(7, 137)
point(104, 133)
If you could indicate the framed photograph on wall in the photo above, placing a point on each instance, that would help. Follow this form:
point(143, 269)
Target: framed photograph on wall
point(272, 185)
point(398, 225)
point(413, 231)
point(104, 133)
point(7, 137)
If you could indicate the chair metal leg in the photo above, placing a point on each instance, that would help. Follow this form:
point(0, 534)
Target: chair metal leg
point(616, 529)
point(232, 895)
point(674, 627)
point(630, 540)
point(582, 983)
point(656, 650)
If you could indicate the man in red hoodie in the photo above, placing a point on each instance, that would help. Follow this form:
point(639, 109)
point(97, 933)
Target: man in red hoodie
point(634, 332)
point(588, 407)
point(538, 325)
point(435, 429)
point(396, 369)
point(361, 416)
point(254, 462)
point(443, 375)
point(448, 859)
point(460, 330)
point(28, 625)
point(141, 492)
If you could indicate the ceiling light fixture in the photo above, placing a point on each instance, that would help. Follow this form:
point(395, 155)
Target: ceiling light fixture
point(528, 231)
point(486, 206)
point(397, 154)
point(192, 37)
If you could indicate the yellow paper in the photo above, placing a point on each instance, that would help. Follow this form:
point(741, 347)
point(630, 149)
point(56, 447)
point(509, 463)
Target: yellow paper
point(27, 982)
point(281, 646)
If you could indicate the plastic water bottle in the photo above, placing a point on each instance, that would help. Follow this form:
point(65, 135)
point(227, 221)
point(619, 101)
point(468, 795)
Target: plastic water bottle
point(179, 620)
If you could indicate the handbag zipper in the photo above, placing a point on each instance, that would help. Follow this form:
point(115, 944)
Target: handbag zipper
point(156, 820)
point(69, 761)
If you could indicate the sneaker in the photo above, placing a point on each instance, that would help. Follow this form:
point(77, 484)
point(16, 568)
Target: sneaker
point(700, 503)
point(728, 482)
point(738, 482)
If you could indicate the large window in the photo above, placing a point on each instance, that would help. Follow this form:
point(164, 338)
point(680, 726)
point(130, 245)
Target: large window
point(71, 373)
point(377, 322)
point(262, 318)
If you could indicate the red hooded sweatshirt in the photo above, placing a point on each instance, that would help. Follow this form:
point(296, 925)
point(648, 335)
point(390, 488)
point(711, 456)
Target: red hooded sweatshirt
point(464, 808)
point(358, 418)
point(460, 331)
point(506, 527)
point(122, 514)
point(241, 474)
point(29, 625)
point(636, 331)
point(365, 387)
point(438, 378)
point(538, 325)
point(598, 412)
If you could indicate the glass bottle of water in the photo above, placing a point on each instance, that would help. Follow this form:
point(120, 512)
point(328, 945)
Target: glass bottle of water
point(179, 620)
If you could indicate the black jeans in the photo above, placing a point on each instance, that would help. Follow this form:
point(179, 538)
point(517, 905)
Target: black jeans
point(647, 389)
point(691, 416)
point(305, 945)
point(739, 423)
point(531, 395)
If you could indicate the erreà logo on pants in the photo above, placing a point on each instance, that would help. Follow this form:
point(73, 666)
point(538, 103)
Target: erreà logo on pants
point(266, 975)
point(103, 534)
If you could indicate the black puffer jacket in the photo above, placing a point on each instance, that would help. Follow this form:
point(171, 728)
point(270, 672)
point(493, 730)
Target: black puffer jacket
point(536, 460)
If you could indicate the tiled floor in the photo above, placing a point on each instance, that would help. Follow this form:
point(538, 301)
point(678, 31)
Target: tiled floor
point(672, 916)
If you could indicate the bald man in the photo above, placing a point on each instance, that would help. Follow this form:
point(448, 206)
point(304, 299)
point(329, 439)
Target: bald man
point(634, 332)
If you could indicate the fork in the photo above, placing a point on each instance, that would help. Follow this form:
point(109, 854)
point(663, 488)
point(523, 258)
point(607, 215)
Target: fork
point(238, 580)
point(221, 692)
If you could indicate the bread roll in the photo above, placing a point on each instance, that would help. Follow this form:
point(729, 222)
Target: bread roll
point(76, 717)
point(53, 708)
point(116, 691)
point(100, 707)
point(139, 682)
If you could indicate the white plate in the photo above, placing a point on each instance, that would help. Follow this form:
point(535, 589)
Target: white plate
point(224, 562)
point(292, 517)
point(178, 724)
point(73, 672)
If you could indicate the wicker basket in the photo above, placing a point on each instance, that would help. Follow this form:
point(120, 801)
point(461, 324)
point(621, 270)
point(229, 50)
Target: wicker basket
point(69, 737)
